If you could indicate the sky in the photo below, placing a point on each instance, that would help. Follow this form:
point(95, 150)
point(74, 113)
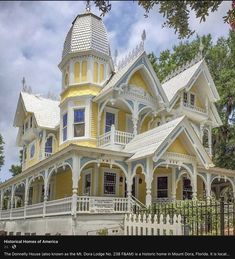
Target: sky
point(32, 34)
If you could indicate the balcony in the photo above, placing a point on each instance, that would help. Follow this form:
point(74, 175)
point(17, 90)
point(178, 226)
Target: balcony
point(115, 138)
point(194, 108)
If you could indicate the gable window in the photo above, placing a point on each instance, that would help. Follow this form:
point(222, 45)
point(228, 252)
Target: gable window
point(31, 121)
point(65, 122)
point(25, 153)
point(192, 99)
point(109, 183)
point(48, 145)
point(162, 187)
point(79, 122)
point(185, 97)
point(32, 150)
point(109, 121)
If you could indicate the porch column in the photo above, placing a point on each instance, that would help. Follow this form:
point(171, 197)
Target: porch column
point(12, 200)
point(173, 184)
point(46, 187)
point(149, 179)
point(112, 136)
point(75, 178)
point(194, 183)
point(201, 131)
point(208, 186)
point(135, 124)
point(210, 140)
point(1, 203)
point(128, 189)
point(26, 198)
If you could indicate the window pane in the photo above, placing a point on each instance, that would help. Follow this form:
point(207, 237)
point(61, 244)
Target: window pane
point(192, 99)
point(185, 97)
point(109, 183)
point(79, 115)
point(162, 187)
point(110, 119)
point(79, 130)
point(48, 146)
point(32, 151)
point(64, 134)
point(65, 118)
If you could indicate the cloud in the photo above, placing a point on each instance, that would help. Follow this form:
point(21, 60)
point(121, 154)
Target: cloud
point(32, 37)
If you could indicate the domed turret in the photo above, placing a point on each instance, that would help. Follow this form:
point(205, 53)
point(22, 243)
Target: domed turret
point(86, 33)
point(86, 57)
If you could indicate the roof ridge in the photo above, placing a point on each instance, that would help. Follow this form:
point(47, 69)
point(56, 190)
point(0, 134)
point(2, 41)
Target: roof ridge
point(183, 67)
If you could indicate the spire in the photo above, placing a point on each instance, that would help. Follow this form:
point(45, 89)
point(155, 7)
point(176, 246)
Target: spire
point(201, 47)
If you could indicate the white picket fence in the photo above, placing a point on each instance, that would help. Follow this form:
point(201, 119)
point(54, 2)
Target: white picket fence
point(137, 225)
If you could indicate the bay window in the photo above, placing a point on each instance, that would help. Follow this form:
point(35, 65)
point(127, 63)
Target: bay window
point(65, 123)
point(79, 122)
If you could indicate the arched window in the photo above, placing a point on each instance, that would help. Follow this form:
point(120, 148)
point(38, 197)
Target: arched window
point(49, 145)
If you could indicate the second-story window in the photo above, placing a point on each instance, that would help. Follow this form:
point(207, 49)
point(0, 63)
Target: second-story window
point(48, 145)
point(65, 123)
point(79, 122)
point(109, 121)
point(185, 98)
point(32, 150)
point(31, 121)
point(192, 99)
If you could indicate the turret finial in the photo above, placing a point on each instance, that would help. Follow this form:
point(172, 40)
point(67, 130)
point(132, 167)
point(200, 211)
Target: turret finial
point(88, 6)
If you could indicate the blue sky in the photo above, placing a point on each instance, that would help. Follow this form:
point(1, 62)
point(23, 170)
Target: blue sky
point(32, 37)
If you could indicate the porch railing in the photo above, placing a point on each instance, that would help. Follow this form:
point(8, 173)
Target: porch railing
point(195, 108)
point(85, 204)
point(115, 137)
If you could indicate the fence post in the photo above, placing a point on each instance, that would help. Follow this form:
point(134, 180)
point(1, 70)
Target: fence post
point(222, 216)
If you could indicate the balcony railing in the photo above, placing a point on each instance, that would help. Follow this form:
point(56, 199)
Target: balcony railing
point(194, 108)
point(115, 137)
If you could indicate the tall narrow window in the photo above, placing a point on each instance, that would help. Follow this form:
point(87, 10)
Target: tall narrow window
point(65, 122)
point(101, 73)
point(66, 79)
point(87, 184)
point(109, 121)
point(84, 71)
point(185, 97)
point(187, 189)
point(79, 122)
point(77, 72)
point(192, 99)
point(95, 72)
point(162, 187)
point(109, 183)
point(48, 145)
point(31, 121)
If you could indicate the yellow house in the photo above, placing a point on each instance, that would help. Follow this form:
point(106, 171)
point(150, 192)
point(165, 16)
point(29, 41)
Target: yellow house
point(118, 138)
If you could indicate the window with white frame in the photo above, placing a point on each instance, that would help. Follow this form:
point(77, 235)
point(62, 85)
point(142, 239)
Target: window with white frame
point(109, 121)
point(65, 124)
point(189, 98)
point(32, 148)
point(109, 183)
point(48, 145)
point(162, 187)
point(192, 99)
point(79, 122)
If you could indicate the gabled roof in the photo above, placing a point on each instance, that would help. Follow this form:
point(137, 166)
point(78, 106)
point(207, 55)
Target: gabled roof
point(186, 78)
point(46, 111)
point(157, 140)
point(116, 78)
